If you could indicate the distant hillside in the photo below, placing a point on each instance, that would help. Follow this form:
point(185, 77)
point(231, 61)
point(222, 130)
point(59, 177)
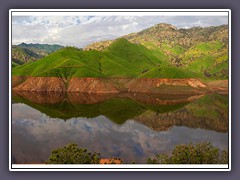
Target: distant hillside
point(43, 49)
point(24, 53)
point(200, 50)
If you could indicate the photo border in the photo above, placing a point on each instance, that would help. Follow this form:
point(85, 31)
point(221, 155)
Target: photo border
point(125, 167)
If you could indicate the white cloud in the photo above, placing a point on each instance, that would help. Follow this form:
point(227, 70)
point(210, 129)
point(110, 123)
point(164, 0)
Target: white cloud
point(81, 30)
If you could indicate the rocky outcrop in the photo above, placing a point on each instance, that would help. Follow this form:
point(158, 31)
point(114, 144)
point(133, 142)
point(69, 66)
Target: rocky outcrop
point(167, 33)
point(100, 46)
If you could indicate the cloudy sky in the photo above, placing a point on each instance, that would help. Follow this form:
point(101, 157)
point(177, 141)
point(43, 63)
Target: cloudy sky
point(80, 31)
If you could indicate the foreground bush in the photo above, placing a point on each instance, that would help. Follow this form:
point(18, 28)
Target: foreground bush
point(202, 153)
point(71, 154)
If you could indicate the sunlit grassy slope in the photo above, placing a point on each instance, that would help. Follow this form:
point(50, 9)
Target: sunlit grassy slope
point(207, 59)
point(120, 59)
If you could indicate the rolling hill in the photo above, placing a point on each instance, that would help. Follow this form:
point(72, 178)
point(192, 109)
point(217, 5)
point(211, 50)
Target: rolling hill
point(153, 60)
point(120, 59)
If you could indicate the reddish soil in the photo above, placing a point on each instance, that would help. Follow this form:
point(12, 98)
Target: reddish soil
point(164, 86)
point(16, 80)
point(91, 85)
point(41, 84)
point(117, 85)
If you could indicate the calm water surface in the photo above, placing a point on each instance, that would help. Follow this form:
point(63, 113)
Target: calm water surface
point(130, 126)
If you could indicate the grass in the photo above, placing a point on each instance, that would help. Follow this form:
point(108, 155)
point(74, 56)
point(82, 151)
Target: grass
point(68, 62)
point(128, 60)
point(167, 71)
point(178, 49)
point(14, 64)
point(207, 59)
point(210, 46)
point(120, 59)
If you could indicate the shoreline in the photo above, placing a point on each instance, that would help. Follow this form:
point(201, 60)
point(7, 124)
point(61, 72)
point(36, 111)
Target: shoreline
point(162, 86)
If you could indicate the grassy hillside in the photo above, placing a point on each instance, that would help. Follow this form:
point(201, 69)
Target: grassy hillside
point(125, 59)
point(67, 62)
point(120, 59)
point(203, 51)
point(161, 51)
point(208, 59)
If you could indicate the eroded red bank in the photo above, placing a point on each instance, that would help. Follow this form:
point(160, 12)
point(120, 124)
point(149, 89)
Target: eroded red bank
point(118, 85)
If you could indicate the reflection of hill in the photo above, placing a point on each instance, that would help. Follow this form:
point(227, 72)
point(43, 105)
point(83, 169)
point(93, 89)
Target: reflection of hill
point(91, 105)
point(117, 107)
point(39, 98)
point(156, 112)
point(209, 112)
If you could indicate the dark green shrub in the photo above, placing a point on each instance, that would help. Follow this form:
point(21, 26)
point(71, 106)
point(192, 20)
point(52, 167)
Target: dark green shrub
point(71, 154)
point(201, 153)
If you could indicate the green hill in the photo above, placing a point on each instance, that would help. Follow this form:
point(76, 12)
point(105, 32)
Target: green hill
point(120, 59)
point(196, 49)
point(67, 62)
point(161, 51)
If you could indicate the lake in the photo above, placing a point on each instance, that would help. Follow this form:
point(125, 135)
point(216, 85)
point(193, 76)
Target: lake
point(130, 126)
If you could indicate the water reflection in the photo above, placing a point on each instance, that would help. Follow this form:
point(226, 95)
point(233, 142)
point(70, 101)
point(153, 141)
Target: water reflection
point(130, 126)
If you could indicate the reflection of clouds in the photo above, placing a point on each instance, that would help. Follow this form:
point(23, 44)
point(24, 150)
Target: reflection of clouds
point(35, 134)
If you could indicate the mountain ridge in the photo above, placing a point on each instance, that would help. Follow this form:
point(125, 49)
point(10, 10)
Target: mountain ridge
point(23, 53)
